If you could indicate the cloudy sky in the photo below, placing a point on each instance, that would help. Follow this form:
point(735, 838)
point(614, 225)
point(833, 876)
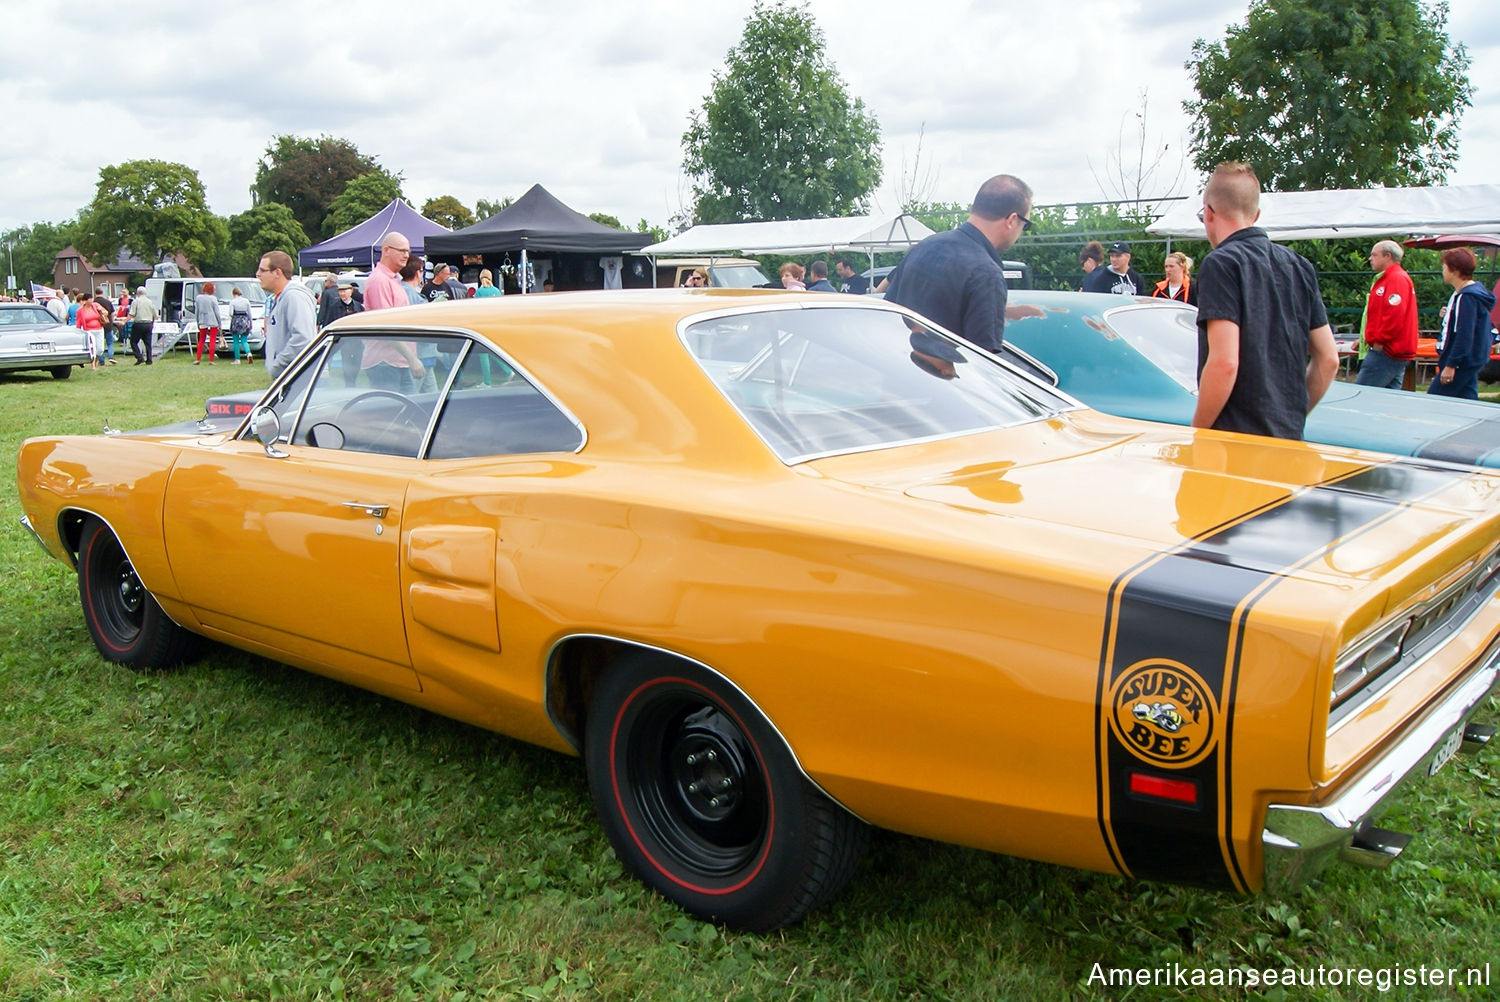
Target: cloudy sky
point(591, 98)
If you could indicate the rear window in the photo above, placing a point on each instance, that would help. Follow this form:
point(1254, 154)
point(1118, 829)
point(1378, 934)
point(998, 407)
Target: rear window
point(817, 381)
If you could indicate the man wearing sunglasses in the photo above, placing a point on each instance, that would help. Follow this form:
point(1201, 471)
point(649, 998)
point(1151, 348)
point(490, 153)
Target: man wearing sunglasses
point(956, 278)
point(1265, 351)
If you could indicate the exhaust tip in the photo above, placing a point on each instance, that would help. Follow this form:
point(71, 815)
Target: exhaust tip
point(1374, 848)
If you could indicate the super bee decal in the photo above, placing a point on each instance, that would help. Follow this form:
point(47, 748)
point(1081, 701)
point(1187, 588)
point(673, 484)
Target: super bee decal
point(1164, 713)
point(1170, 663)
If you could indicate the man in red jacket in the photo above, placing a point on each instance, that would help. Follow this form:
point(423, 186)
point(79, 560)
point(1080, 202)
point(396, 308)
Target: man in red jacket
point(1390, 320)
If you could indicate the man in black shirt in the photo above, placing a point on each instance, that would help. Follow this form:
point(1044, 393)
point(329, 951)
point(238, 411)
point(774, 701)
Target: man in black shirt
point(854, 284)
point(955, 278)
point(1266, 354)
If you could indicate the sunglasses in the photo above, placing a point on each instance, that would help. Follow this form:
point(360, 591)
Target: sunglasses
point(1206, 208)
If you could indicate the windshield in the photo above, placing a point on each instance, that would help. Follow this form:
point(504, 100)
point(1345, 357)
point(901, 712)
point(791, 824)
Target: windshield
point(224, 289)
point(26, 315)
point(736, 276)
point(1168, 338)
point(817, 381)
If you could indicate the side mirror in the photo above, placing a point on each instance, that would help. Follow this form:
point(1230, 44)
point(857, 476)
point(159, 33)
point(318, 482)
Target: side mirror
point(266, 427)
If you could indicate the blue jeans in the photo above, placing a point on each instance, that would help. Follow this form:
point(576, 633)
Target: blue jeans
point(1380, 369)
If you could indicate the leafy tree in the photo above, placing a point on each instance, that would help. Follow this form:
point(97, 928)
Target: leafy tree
point(362, 198)
point(658, 234)
point(153, 209)
point(1328, 94)
point(306, 175)
point(778, 137)
point(261, 228)
point(33, 249)
point(605, 219)
point(484, 208)
point(449, 211)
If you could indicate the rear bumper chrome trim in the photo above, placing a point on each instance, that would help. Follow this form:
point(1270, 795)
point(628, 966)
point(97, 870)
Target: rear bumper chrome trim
point(1301, 839)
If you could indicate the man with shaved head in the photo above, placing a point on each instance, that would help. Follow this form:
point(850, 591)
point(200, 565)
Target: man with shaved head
point(383, 288)
point(956, 277)
point(1266, 353)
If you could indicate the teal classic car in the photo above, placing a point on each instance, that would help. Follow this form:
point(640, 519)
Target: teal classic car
point(1139, 358)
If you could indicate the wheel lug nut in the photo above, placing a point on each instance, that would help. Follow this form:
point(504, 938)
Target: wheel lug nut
point(694, 787)
point(710, 755)
point(713, 801)
point(691, 759)
point(725, 783)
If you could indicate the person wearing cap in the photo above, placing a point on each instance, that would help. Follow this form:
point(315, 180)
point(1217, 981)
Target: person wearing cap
point(1119, 278)
point(142, 321)
point(1266, 353)
point(346, 304)
point(383, 287)
point(956, 277)
point(435, 289)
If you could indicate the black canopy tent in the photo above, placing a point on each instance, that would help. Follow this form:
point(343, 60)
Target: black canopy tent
point(537, 225)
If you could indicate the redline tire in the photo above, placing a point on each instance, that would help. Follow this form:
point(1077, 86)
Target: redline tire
point(702, 800)
point(127, 624)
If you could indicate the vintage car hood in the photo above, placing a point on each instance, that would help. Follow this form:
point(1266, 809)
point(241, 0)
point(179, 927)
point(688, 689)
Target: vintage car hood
point(1165, 487)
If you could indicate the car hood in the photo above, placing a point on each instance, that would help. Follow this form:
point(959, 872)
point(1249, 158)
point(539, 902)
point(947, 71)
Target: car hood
point(1105, 489)
point(1459, 431)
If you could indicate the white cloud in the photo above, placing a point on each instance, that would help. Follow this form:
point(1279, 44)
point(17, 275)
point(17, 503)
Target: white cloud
point(591, 99)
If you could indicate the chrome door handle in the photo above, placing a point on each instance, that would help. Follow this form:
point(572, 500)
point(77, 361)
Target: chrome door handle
point(373, 510)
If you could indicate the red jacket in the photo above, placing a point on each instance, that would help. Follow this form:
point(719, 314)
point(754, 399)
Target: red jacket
point(1391, 316)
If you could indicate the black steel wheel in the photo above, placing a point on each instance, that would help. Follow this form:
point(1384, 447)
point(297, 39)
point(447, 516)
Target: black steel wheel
point(127, 624)
point(703, 801)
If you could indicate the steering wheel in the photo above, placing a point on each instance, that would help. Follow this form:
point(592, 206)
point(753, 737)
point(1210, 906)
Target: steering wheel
point(409, 414)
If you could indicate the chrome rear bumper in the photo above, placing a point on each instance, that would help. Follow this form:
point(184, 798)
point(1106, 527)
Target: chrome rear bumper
point(1301, 839)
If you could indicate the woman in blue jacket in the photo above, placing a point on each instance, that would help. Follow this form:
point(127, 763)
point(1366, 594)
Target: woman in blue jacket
point(1464, 347)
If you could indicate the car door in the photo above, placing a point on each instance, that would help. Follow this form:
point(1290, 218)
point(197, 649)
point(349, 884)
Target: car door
point(299, 553)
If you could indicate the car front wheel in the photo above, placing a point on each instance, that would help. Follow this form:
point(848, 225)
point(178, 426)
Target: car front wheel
point(704, 802)
point(127, 624)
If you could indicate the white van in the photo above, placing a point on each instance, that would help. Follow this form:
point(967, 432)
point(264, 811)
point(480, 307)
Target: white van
point(175, 299)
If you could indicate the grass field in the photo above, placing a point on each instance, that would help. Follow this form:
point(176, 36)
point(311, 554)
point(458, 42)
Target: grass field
point(241, 830)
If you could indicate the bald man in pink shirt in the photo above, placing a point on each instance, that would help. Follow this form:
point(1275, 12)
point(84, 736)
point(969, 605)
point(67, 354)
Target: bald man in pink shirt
point(383, 288)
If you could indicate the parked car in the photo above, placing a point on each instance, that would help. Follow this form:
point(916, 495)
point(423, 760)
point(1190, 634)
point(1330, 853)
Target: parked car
point(1017, 274)
point(1139, 358)
point(32, 338)
point(723, 272)
point(780, 566)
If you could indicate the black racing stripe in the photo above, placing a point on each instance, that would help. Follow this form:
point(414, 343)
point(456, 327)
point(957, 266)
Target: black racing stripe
point(1469, 444)
point(1173, 632)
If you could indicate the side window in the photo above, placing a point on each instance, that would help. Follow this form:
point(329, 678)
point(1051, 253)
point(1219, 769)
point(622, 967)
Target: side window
point(375, 393)
point(493, 411)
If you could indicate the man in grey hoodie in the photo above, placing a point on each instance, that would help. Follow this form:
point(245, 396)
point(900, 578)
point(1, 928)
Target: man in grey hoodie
point(293, 320)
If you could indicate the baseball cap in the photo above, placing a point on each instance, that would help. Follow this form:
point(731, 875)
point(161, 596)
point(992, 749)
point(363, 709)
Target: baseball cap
point(1119, 247)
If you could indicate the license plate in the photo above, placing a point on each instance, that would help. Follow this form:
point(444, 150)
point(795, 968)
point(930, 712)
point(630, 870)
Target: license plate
point(43, 346)
point(1446, 750)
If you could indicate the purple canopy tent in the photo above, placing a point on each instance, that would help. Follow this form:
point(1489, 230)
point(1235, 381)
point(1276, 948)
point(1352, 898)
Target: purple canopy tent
point(359, 246)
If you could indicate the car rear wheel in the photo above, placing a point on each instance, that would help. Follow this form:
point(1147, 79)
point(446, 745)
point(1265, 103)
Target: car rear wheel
point(704, 802)
point(61, 371)
point(127, 624)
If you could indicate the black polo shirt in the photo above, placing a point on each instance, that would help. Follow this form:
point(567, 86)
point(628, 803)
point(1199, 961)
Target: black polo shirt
point(955, 279)
point(1272, 294)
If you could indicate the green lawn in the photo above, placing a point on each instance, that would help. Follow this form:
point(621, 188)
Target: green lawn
point(242, 830)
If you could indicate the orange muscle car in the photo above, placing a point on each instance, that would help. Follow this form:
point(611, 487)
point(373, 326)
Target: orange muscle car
point(781, 566)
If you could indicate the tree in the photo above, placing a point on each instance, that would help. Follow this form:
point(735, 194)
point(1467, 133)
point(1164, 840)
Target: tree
point(449, 211)
point(306, 175)
point(153, 209)
point(605, 219)
point(484, 208)
point(361, 199)
point(778, 137)
point(261, 228)
point(1328, 94)
point(1140, 171)
point(33, 249)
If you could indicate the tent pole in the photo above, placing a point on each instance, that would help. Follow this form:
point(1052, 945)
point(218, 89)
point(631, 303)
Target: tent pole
point(525, 274)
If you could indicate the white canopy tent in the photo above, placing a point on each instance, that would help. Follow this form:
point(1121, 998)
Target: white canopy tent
point(1371, 212)
point(864, 234)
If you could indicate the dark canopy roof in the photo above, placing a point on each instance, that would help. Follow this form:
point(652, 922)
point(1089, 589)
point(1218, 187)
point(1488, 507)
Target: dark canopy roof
point(536, 222)
point(359, 246)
